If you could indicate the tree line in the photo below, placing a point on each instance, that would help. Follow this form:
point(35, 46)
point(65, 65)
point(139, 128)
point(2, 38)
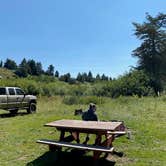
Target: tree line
point(27, 67)
point(33, 68)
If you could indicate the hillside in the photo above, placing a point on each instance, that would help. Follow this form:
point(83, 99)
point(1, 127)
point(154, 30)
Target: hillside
point(5, 73)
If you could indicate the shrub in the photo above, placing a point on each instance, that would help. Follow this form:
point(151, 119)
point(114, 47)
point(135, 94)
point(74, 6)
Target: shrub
point(70, 100)
point(33, 89)
point(78, 90)
point(91, 99)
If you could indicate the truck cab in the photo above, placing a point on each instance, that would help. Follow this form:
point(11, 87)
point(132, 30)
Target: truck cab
point(14, 98)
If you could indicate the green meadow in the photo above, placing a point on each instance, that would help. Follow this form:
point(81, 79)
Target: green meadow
point(145, 117)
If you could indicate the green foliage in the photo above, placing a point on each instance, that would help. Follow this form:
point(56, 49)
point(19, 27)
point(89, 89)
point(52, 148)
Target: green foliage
point(90, 77)
point(23, 68)
point(104, 78)
point(50, 70)
point(98, 77)
point(78, 90)
point(44, 85)
point(92, 99)
point(72, 100)
point(151, 53)
point(10, 64)
point(53, 89)
point(84, 77)
point(26, 68)
point(65, 77)
point(132, 83)
point(56, 74)
point(21, 72)
point(33, 89)
point(1, 63)
point(33, 68)
point(6, 74)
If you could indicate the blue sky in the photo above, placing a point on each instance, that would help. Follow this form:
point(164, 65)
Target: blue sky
point(74, 35)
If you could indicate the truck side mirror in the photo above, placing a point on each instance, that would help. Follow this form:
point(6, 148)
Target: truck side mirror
point(25, 94)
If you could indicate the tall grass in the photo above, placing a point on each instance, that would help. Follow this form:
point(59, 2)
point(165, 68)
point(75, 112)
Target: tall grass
point(145, 117)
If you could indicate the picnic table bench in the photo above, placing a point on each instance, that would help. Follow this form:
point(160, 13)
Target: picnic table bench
point(75, 127)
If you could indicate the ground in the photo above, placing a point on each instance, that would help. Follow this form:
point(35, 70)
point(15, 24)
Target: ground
point(145, 118)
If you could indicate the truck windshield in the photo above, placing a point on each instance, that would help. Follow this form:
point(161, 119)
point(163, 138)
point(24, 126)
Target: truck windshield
point(2, 91)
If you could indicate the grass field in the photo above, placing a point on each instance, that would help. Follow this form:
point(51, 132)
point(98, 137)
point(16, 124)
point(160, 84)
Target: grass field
point(145, 117)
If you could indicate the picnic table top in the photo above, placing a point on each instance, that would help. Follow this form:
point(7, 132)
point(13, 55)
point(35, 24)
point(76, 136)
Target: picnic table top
point(84, 125)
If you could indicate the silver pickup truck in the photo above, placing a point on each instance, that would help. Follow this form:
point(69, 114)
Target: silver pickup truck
point(13, 98)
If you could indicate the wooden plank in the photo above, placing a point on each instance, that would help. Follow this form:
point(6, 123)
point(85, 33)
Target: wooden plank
point(85, 125)
point(116, 132)
point(77, 146)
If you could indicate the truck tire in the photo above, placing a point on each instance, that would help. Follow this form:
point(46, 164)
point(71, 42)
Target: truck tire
point(32, 108)
point(14, 111)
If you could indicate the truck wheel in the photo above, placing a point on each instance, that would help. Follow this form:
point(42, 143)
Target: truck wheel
point(32, 108)
point(14, 111)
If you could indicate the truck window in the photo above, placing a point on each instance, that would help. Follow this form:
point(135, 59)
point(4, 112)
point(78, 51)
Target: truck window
point(2, 91)
point(11, 91)
point(19, 92)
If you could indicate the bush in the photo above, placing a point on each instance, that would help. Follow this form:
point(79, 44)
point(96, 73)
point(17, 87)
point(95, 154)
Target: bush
point(33, 89)
point(92, 99)
point(70, 100)
point(132, 83)
point(78, 90)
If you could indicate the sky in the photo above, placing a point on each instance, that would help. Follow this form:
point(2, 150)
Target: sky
point(74, 35)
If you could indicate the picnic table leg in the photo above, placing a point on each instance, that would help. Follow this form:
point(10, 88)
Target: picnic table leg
point(69, 138)
point(106, 143)
point(76, 136)
point(62, 135)
point(97, 154)
point(73, 136)
point(53, 148)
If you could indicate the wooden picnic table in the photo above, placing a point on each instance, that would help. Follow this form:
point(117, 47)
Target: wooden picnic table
point(76, 127)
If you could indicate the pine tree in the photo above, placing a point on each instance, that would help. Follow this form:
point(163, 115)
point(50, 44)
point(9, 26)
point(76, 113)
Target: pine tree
point(56, 74)
point(10, 64)
point(151, 53)
point(79, 77)
point(1, 63)
point(98, 77)
point(104, 78)
point(22, 70)
point(90, 77)
point(50, 70)
point(32, 70)
point(39, 69)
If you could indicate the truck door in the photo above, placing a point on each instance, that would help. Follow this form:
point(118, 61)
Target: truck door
point(3, 98)
point(12, 99)
point(21, 100)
